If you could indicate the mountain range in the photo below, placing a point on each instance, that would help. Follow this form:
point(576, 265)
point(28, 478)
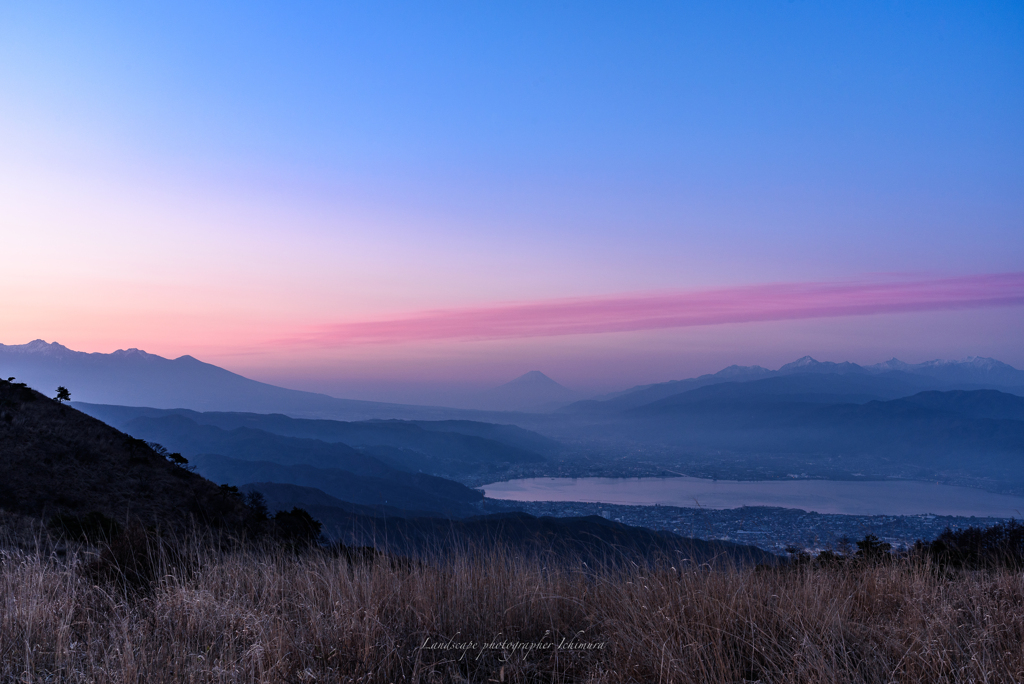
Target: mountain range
point(955, 422)
point(134, 377)
point(890, 379)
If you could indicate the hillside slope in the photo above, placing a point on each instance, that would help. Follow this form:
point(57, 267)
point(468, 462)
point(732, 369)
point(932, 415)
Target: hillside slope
point(55, 459)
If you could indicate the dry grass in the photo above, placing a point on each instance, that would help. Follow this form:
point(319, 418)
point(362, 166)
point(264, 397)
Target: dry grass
point(251, 616)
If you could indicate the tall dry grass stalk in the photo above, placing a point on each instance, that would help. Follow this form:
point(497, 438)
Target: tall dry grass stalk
point(264, 616)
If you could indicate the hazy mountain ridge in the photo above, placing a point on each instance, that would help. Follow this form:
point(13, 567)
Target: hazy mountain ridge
point(802, 418)
point(978, 403)
point(242, 455)
point(443, 449)
point(397, 489)
point(966, 437)
point(814, 388)
point(136, 378)
point(968, 374)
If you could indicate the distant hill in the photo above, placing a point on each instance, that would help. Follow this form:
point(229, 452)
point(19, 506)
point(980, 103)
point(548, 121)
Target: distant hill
point(530, 392)
point(506, 434)
point(812, 388)
point(452, 449)
point(244, 454)
point(887, 380)
point(55, 459)
point(410, 491)
point(976, 404)
point(132, 377)
point(963, 436)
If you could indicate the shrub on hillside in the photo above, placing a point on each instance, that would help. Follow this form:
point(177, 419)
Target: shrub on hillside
point(297, 527)
point(1000, 545)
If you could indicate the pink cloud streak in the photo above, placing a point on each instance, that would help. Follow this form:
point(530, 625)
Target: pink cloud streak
point(653, 311)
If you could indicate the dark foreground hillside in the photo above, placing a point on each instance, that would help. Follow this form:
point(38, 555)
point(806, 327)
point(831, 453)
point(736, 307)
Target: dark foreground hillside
point(55, 460)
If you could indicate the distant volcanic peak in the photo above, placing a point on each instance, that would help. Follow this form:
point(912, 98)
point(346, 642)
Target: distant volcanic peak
point(533, 378)
point(530, 391)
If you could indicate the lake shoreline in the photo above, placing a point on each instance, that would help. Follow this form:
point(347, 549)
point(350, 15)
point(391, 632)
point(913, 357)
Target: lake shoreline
point(843, 497)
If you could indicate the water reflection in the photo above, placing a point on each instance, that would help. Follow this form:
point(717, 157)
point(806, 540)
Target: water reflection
point(891, 497)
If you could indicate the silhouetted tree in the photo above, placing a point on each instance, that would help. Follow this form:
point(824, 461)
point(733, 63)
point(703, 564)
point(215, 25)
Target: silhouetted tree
point(999, 545)
point(257, 504)
point(797, 555)
point(297, 527)
point(257, 517)
point(174, 457)
point(227, 490)
point(177, 459)
point(829, 558)
point(872, 547)
point(62, 394)
point(160, 449)
point(845, 546)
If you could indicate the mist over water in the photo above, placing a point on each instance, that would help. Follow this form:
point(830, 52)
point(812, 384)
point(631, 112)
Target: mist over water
point(890, 497)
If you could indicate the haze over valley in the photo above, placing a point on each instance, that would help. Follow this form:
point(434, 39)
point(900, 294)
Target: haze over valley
point(958, 424)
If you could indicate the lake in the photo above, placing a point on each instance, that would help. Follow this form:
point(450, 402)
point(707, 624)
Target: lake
point(890, 497)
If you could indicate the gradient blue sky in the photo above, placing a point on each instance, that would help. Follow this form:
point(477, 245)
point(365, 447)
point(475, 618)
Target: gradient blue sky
point(210, 180)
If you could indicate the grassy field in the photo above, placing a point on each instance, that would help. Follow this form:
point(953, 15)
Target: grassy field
point(272, 616)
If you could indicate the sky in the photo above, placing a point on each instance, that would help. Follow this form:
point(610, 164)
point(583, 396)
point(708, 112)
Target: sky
point(394, 200)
